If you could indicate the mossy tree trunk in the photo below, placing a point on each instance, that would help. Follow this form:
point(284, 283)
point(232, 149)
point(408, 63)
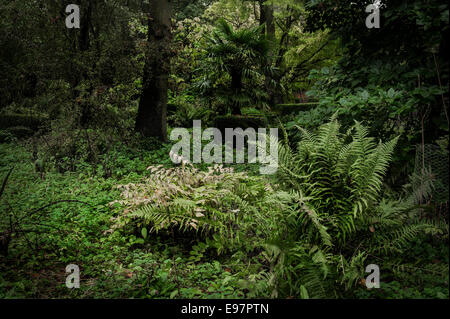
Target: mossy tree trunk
point(266, 17)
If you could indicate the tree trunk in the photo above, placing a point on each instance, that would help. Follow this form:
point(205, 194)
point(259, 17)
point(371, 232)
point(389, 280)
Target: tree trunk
point(84, 40)
point(151, 117)
point(236, 86)
point(266, 16)
point(84, 44)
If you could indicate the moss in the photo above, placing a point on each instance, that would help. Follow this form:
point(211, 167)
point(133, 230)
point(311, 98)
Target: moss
point(234, 121)
point(20, 131)
point(293, 107)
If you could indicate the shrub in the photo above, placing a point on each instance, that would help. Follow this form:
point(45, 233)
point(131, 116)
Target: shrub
point(226, 207)
point(293, 107)
point(20, 120)
point(341, 219)
point(20, 131)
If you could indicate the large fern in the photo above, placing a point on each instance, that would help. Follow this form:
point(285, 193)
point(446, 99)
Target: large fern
point(234, 209)
point(342, 179)
point(335, 179)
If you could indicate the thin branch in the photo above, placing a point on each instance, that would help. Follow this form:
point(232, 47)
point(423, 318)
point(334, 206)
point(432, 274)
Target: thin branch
point(5, 181)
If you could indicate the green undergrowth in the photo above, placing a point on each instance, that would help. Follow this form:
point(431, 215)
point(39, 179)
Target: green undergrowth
point(122, 260)
point(118, 265)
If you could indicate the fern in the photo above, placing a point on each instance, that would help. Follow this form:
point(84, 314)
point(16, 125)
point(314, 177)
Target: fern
point(335, 180)
point(231, 209)
point(343, 180)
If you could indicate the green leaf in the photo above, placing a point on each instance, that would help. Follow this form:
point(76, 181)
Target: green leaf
point(173, 294)
point(144, 232)
point(303, 292)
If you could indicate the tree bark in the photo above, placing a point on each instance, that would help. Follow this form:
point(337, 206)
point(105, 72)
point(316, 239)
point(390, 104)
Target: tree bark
point(84, 45)
point(84, 42)
point(151, 117)
point(266, 17)
point(236, 86)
